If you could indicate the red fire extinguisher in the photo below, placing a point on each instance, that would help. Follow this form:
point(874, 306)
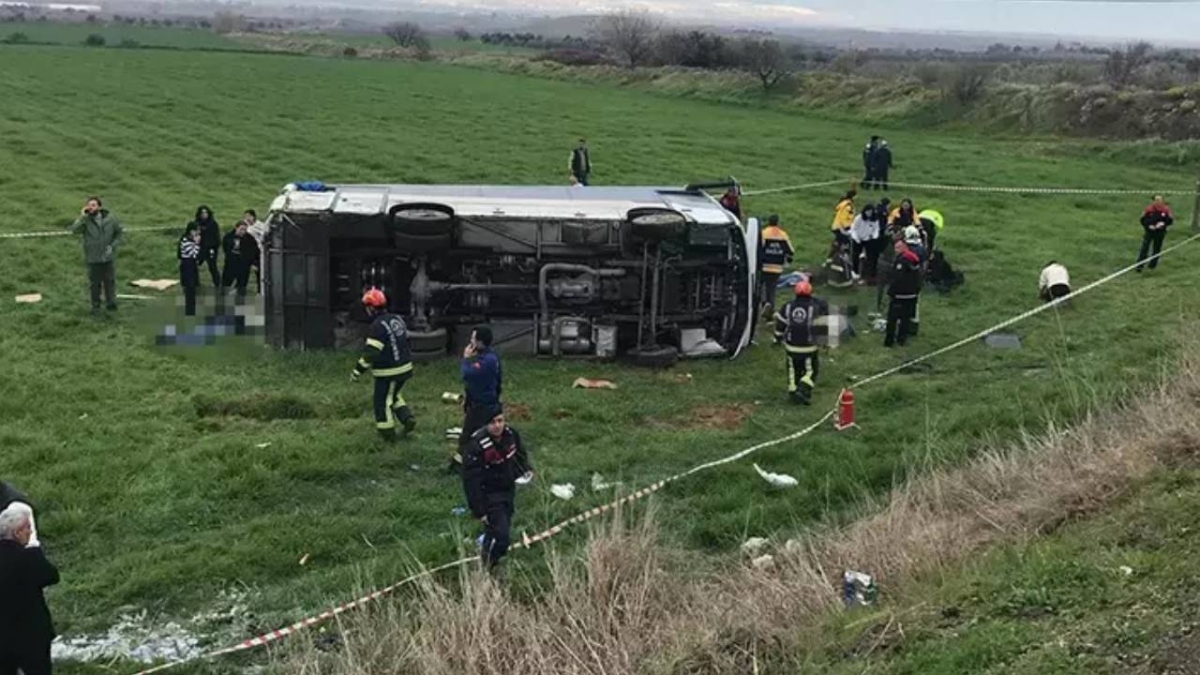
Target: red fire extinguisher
point(845, 416)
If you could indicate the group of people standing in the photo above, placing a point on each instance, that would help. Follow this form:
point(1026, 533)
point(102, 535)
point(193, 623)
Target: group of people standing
point(202, 245)
point(490, 456)
point(877, 164)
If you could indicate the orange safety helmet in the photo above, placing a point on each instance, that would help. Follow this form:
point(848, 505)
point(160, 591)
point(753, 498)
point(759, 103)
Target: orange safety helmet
point(373, 297)
point(803, 288)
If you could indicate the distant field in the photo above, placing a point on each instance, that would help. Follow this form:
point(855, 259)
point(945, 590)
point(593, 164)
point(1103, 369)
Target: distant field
point(114, 34)
point(150, 500)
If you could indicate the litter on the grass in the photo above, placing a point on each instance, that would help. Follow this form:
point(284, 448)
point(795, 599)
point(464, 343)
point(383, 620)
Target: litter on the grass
point(563, 492)
point(754, 544)
point(781, 480)
point(858, 589)
point(1003, 341)
point(29, 298)
point(156, 284)
point(584, 383)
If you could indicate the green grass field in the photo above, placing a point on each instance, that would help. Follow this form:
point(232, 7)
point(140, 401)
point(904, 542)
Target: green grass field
point(147, 499)
point(1109, 595)
point(54, 32)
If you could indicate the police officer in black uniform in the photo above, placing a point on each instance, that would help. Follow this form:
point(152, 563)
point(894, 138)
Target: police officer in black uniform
point(493, 460)
point(797, 325)
point(388, 356)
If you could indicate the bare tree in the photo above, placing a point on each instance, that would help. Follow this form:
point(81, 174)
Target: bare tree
point(1122, 66)
point(406, 34)
point(630, 35)
point(462, 34)
point(764, 58)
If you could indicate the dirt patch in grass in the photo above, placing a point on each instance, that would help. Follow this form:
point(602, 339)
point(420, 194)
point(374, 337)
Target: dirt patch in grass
point(728, 417)
point(265, 408)
point(516, 412)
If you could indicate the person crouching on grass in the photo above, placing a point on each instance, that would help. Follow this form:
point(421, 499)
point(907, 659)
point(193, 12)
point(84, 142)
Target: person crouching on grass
point(26, 629)
point(493, 460)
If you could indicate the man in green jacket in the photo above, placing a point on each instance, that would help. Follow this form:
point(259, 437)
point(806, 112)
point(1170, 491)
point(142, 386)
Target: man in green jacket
point(101, 236)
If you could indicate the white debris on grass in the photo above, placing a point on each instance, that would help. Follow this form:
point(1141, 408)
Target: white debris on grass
point(754, 544)
point(781, 480)
point(563, 492)
point(765, 562)
point(139, 637)
point(132, 637)
point(598, 483)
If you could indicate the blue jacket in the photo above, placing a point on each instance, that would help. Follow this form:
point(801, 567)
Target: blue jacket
point(481, 379)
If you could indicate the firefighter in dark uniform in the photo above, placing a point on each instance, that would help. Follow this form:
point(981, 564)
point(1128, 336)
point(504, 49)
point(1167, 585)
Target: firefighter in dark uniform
point(775, 252)
point(388, 356)
point(797, 326)
point(904, 289)
point(493, 460)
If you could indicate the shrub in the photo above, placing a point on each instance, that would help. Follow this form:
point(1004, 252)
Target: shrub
point(965, 84)
point(349, 52)
point(928, 74)
point(16, 38)
point(95, 40)
point(573, 57)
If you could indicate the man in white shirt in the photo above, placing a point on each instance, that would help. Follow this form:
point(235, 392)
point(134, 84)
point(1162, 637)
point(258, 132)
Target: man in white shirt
point(1055, 282)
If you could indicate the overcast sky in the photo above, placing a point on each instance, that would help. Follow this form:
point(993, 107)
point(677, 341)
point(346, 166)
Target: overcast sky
point(1157, 20)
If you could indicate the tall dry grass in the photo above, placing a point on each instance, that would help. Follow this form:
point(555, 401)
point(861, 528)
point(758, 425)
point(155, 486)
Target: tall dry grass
point(628, 604)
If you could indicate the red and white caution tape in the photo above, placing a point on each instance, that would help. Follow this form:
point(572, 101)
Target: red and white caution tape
point(68, 233)
point(529, 541)
point(1021, 317)
point(943, 187)
point(526, 543)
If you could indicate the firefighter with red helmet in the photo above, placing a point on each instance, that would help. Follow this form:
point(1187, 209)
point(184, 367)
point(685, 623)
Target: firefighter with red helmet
point(797, 325)
point(389, 358)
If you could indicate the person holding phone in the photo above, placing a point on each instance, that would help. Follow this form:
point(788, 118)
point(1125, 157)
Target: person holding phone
point(101, 232)
point(482, 385)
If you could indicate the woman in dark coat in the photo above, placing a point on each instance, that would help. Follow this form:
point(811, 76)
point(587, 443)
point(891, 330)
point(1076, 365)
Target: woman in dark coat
point(210, 240)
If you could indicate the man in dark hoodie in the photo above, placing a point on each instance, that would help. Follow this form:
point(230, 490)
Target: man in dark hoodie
point(241, 253)
point(904, 289)
point(210, 241)
point(101, 238)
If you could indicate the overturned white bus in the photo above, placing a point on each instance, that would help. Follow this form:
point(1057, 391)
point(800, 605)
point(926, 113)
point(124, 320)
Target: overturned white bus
point(652, 274)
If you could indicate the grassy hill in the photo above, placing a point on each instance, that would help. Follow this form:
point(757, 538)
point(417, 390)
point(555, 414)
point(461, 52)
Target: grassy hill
point(145, 462)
